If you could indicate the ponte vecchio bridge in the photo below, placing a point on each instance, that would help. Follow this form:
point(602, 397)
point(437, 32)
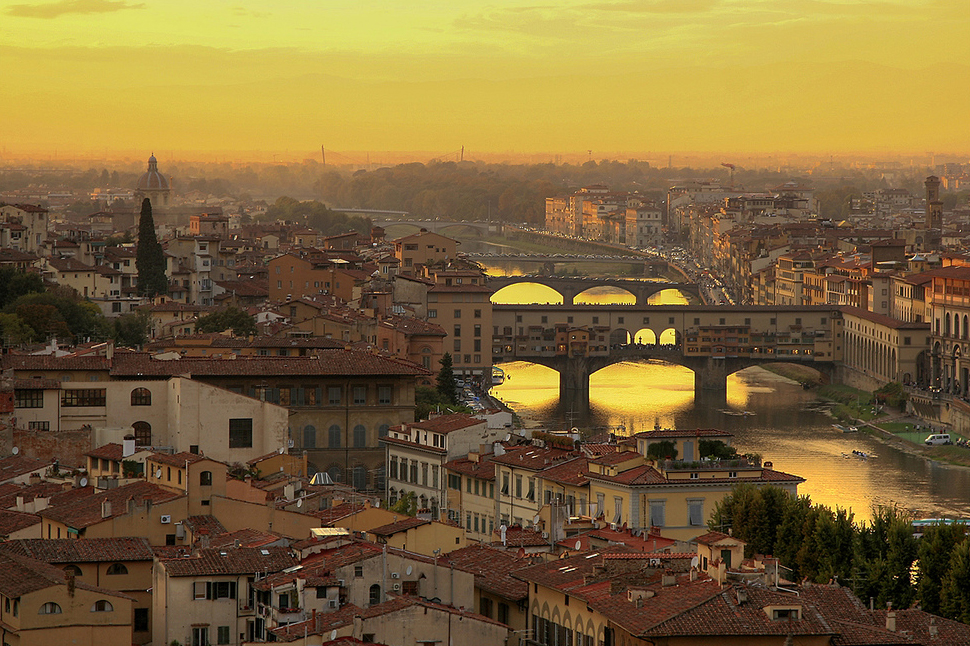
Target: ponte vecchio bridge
point(570, 288)
point(713, 341)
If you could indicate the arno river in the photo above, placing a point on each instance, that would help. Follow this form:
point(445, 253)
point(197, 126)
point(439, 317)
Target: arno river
point(788, 427)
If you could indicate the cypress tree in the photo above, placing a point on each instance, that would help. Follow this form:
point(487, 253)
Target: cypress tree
point(149, 259)
point(447, 387)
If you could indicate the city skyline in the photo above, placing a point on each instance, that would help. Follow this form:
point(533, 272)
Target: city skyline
point(113, 76)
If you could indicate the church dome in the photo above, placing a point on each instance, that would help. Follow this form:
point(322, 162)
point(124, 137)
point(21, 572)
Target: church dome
point(152, 180)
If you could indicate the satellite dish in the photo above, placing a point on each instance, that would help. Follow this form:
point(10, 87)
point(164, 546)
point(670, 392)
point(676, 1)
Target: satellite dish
point(158, 474)
point(16, 450)
point(299, 503)
point(408, 571)
point(282, 450)
point(333, 634)
point(579, 545)
point(83, 482)
point(694, 561)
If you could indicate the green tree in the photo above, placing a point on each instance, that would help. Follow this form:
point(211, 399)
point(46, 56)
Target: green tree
point(446, 384)
point(934, 555)
point(149, 258)
point(13, 330)
point(885, 551)
point(716, 449)
point(60, 312)
point(662, 450)
point(955, 587)
point(232, 318)
point(407, 504)
point(429, 400)
point(131, 330)
point(15, 283)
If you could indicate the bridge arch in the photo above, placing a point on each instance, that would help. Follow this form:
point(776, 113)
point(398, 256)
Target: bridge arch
point(645, 336)
point(668, 296)
point(460, 229)
point(605, 295)
point(519, 294)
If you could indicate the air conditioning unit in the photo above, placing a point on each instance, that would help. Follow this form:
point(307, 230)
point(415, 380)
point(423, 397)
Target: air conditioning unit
point(613, 526)
point(396, 586)
point(545, 535)
point(655, 562)
point(166, 519)
point(340, 582)
point(395, 575)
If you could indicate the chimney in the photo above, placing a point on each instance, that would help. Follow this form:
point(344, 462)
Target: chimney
point(33, 478)
point(20, 503)
point(891, 621)
point(105, 508)
point(934, 629)
point(128, 446)
point(668, 580)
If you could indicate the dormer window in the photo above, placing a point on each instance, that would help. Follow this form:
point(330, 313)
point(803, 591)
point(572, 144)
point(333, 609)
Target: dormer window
point(784, 613)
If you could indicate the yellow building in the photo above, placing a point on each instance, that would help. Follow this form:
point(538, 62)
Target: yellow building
point(42, 605)
point(122, 565)
point(426, 537)
point(424, 248)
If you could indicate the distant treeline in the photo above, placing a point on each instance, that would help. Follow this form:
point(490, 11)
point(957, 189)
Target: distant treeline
point(881, 560)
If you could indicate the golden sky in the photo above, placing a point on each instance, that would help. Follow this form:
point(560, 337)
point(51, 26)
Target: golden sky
point(814, 76)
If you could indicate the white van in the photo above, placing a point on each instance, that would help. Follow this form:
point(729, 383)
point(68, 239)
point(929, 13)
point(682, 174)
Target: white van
point(937, 438)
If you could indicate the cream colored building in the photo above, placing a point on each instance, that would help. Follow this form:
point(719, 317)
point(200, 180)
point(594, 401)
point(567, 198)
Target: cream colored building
point(178, 412)
point(210, 598)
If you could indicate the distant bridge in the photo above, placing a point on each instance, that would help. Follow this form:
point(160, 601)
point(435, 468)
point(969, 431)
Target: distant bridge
point(570, 288)
point(477, 227)
point(712, 341)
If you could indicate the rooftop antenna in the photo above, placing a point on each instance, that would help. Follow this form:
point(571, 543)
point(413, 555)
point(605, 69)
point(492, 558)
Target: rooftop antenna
point(323, 153)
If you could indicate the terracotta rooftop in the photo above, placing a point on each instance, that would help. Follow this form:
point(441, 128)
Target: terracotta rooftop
point(86, 509)
point(14, 521)
point(533, 457)
point(180, 459)
point(239, 560)
point(571, 472)
point(492, 569)
point(14, 466)
point(110, 451)
point(69, 550)
point(448, 423)
point(400, 526)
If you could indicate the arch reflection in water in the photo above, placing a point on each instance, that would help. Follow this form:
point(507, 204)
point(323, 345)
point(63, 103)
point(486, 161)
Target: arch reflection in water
point(527, 293)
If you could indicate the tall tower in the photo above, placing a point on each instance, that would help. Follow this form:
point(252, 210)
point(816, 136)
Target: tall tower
point(934, 207)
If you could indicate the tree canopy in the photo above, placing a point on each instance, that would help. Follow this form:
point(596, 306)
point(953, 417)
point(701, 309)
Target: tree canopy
point(446, 384)
point(231, 318)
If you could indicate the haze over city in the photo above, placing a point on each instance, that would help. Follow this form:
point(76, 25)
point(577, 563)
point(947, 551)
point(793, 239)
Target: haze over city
point(109, 78)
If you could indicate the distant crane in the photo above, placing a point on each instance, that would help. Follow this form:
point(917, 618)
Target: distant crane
point(731, 166)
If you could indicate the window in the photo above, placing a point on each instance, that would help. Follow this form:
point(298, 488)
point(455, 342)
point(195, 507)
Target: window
point(241, 433)
point(200, 636)
point(29, 398)
point(141, 397)
point(76, 398)
point(38, 426)
point(457, 330)
point(205, 479)
point(334, 395)
point(657, 513)
point(102, 605)
point(382, 430)
point(695, 512)
point(383, 394)
point(360, 436)
point(432, 314)
point(518, 486)
point(503, 613)
point(141, 620)
point(410, 588)
point(478, 314)
point(486, 607)
point(143, 433)
point(49, 608)
point(360, 395)
point(222, 635)
point(457, 314)
point(117, 568)
point(72, 570)
point(375, 594)
point(333, 437)
point(309, 436)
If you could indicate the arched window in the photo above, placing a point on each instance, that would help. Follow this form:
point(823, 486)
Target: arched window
point(49, 608)
point(102, 605)
point(375, 594)
point(334, 437)
point(143, 433)
point(382, 430)
point(336, 475)
point(117, 568)
point(309, 436)
point(360, 436)
point(205, 479)
point(141, 397)
point(360, 477)
point(73, 570)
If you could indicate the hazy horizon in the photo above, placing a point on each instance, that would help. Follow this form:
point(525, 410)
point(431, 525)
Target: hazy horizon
point(85, 78)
